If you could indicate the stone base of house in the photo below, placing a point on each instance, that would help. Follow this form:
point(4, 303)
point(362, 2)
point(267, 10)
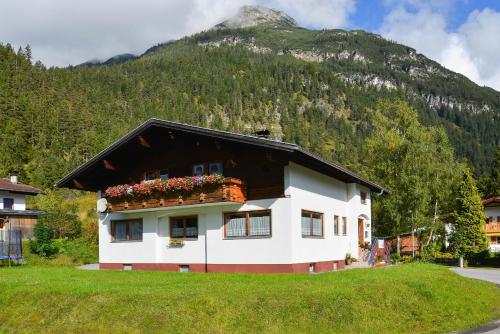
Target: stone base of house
point(321, 266)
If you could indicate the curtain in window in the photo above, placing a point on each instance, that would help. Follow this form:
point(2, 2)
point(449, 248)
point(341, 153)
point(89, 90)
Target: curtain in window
point(306, 225)
point(120, 231)
point(135, 230)
point(316, 221)
point(260, 225)
point(177, 228)
point(191, 232)
point(236, 226)
point(192, 227)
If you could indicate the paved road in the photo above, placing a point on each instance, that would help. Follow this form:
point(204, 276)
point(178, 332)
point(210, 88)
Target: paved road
point(490, 275)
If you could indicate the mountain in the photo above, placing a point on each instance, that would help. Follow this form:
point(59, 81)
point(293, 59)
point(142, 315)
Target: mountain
point(118, 59)
point(257, 70)
point(250, 16)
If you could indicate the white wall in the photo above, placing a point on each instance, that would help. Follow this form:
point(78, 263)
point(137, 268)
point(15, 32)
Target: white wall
point(493, 211)
point(310, 190)
point(304, 189)
point(19, 200)
point(154, 248)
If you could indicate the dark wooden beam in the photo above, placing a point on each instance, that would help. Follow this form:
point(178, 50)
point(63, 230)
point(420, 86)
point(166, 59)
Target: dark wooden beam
point(108, 165)
point(78, 184)
point(144, 142)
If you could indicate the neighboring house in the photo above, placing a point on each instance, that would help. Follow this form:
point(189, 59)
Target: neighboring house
point(13, 210)
point(492, 227)
point(278, 208)
point(408, 244)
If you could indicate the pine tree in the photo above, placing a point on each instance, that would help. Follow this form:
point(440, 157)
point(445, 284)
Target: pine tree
point(468, 239)
point(494, 184)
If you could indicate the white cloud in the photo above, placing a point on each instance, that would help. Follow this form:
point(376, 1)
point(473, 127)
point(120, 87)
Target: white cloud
point(63, 32)
point(318, 13)
point(471, 50)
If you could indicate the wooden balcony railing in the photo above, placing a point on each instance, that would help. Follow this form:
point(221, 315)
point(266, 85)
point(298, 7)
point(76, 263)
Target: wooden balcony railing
point(492, 227)
point(230, 190)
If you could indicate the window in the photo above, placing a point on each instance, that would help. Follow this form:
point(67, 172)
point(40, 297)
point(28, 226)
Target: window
point(164, 174)
point(126, 230)
point(184, 227)
point(344, 225)
point(498, 240)
point(8, 203)
point(336, 225)
point(215, 168)
point(248, 224)
point(198, 170)
point(151, 175)
point(490, 219)
point(312, 224)
point(498, 219)
point(363, 198)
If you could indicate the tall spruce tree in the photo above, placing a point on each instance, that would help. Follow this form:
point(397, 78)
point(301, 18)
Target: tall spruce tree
point(467, 238)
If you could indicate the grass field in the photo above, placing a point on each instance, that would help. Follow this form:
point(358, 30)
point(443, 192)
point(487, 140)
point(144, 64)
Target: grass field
point(412, 298)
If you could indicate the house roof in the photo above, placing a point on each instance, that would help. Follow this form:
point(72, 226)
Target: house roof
point(293, 152)
point(15, 213)
point(490, 200)
point(20, 188)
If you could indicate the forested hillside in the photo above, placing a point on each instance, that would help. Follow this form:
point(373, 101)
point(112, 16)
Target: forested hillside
point(314, 88)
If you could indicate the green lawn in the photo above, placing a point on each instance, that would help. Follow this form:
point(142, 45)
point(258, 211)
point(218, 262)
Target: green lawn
point(412, 298)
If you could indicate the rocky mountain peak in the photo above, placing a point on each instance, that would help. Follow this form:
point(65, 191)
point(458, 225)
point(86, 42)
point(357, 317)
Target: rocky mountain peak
point(249, 16)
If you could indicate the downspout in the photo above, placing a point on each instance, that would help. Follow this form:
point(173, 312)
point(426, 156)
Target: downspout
point(206, 247)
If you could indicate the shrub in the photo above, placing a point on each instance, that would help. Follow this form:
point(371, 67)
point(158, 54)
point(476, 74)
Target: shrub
point(43, 244)
point(64, 225)
point(395, 257)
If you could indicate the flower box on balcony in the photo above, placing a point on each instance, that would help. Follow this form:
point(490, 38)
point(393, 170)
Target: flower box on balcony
point(147, 195)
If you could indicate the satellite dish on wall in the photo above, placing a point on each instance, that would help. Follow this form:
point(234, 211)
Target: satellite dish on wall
point(102, 205)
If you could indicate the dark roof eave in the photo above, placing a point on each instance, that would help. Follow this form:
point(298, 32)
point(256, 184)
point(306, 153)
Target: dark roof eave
point(5, 212)
point(24, 192)
point(223, 135)
point(267, 143)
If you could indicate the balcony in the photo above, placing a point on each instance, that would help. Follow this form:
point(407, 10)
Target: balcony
point(492, 228)
point(229, 190)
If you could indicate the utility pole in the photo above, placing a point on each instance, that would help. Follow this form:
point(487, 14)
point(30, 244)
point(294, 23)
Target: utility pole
point(412, 237)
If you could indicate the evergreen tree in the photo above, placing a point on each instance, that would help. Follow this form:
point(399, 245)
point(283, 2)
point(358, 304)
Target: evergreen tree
point(489, 185)
point(468, 239)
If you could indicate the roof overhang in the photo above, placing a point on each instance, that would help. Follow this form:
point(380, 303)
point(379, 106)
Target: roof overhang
point(292, 151)
point(490, 200)
point(18, 213)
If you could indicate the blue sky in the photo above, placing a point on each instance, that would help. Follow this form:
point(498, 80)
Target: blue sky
point(462, 35)
point(370, 14)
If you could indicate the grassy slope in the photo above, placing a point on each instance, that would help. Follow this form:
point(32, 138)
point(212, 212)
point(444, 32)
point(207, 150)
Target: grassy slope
point(416, 298)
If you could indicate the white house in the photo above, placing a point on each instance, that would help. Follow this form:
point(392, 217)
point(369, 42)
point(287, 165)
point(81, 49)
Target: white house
point(492, 227)
point(277, 208)
point(13, 209)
